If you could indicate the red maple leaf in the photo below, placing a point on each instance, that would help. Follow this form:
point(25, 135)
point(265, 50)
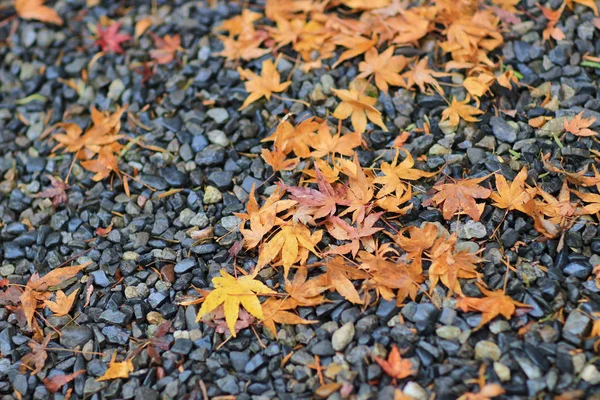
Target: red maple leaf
point(110, 39)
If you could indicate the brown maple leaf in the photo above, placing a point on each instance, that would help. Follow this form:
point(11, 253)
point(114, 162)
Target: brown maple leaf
point(356, 104)
point(35, 9)
point(280, 311)
point(109, 39)
point(35, 360)
point(63, 303)
point(338, 277)
point(395, 366)
point(385, 67)
point(460, 109)
point(166, 48)
point(580, 126)
point(262, 85)
point(306, 292)
point(37, 288)
point(493, 304)
point(461, 196)
point(55, 383)
point(448, 265)
point(57, 193)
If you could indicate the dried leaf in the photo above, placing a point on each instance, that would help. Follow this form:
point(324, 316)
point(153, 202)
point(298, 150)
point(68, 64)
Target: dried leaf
point(579, 126)
point(385, 67)
point(359, 106)
point(262, 85)
point(495, 303)
point(57, 193)
point(63, 303)
point(461, 196)
point(166, 48)
point(55, 383)
point(35, 9)
point(109, 39)
point(460, 109)
point(117, 370)
point(395, 366)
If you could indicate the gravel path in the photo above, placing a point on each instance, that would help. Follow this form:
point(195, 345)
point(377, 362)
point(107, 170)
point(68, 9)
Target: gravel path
point(196, 158)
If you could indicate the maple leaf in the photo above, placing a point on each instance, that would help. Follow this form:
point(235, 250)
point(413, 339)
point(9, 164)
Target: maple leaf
point(231, 293)
point(245, 48)
point(166, 48)
point(36, 288)
point(279, 311)
point(460, 195)
point(553, 16)
point(587, 3)
point(592, 199)
point(579, 126)
point(58, 192)
point(358, 105)
point(35, 9)
point(322, 202)
point(54, 383)
point(385, 67)
point(324, 143)
point(35, 360)
point(395, 174)
point(293, 241)
point(513, 196)
point(356, 46)
point(278, 160)
point(109, 39)
point(306, 293)
point(106, 162)
point(262, 85)
point(338, 277)
point(262, 219)
point(288, 138)
point(360, 190)
point(63, 303)
point(117, 370)
point(448, 266)
point(460, 109)
point(420, 75)
point(242, 23)
point(341, 230)
point(243, 321)
point(395, 366)
point(393, 275)
point(495, 303)
point(559, 210)
point(417, 241)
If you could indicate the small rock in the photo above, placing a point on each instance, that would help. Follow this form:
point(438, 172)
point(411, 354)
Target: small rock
point(502, 130)
point(212, 195)
point(73, 336)
point(487, 350)
point(219, 115)
point(342, 336)
point(591, 375)
point(471, 230)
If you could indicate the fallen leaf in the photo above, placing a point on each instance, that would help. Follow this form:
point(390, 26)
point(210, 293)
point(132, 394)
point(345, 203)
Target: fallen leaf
point(358, 105)
point(35, 9)
point(395, 366)
point(280, 311)
point(458, 110)
point(63, 303)
point(109, 39)
point(103, 232)
point(117, 370)
point(493, 304)
point(513, 196)
point(55, 383)
point(339, 276)
point(355, 44)
point(262, 85)
point(36, 360)
point(421, 75)
point(166, 48)
point(57, 193)
point(579, 126)
point(385, 67)
point(461, 196)
point(232, 293)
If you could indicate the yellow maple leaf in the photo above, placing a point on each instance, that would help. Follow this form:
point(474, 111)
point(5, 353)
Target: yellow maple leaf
point(63, 303)
point(232, 293)
point(358, 105)
point(385, 67)
point(262, 85)
point(117, 370)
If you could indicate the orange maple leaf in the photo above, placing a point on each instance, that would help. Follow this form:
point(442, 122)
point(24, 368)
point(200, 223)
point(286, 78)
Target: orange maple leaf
point(262, 85)
point(513, 196)
point(395, 366)
point(421, 75)
point(324, 143)
point(245, 48)
point(385, 67)
point(278, 160)
point(460, 109)
point(280, 311)
point(461, 196)
point(579, 126)
point(493, 304)
point(358, 105)
point(63, 303)
point(341, 230)
point(553, 16)
point(395, 175)
point(35, 9)
point(338, 277)
point(306, 292)
point(356, 46)
point(117, 369)
point(289, 138)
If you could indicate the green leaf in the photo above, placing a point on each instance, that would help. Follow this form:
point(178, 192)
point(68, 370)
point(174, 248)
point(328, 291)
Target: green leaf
point(30, 98)
point(591, 64)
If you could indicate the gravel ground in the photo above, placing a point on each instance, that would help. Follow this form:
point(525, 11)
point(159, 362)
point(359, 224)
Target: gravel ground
point(147, 264)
